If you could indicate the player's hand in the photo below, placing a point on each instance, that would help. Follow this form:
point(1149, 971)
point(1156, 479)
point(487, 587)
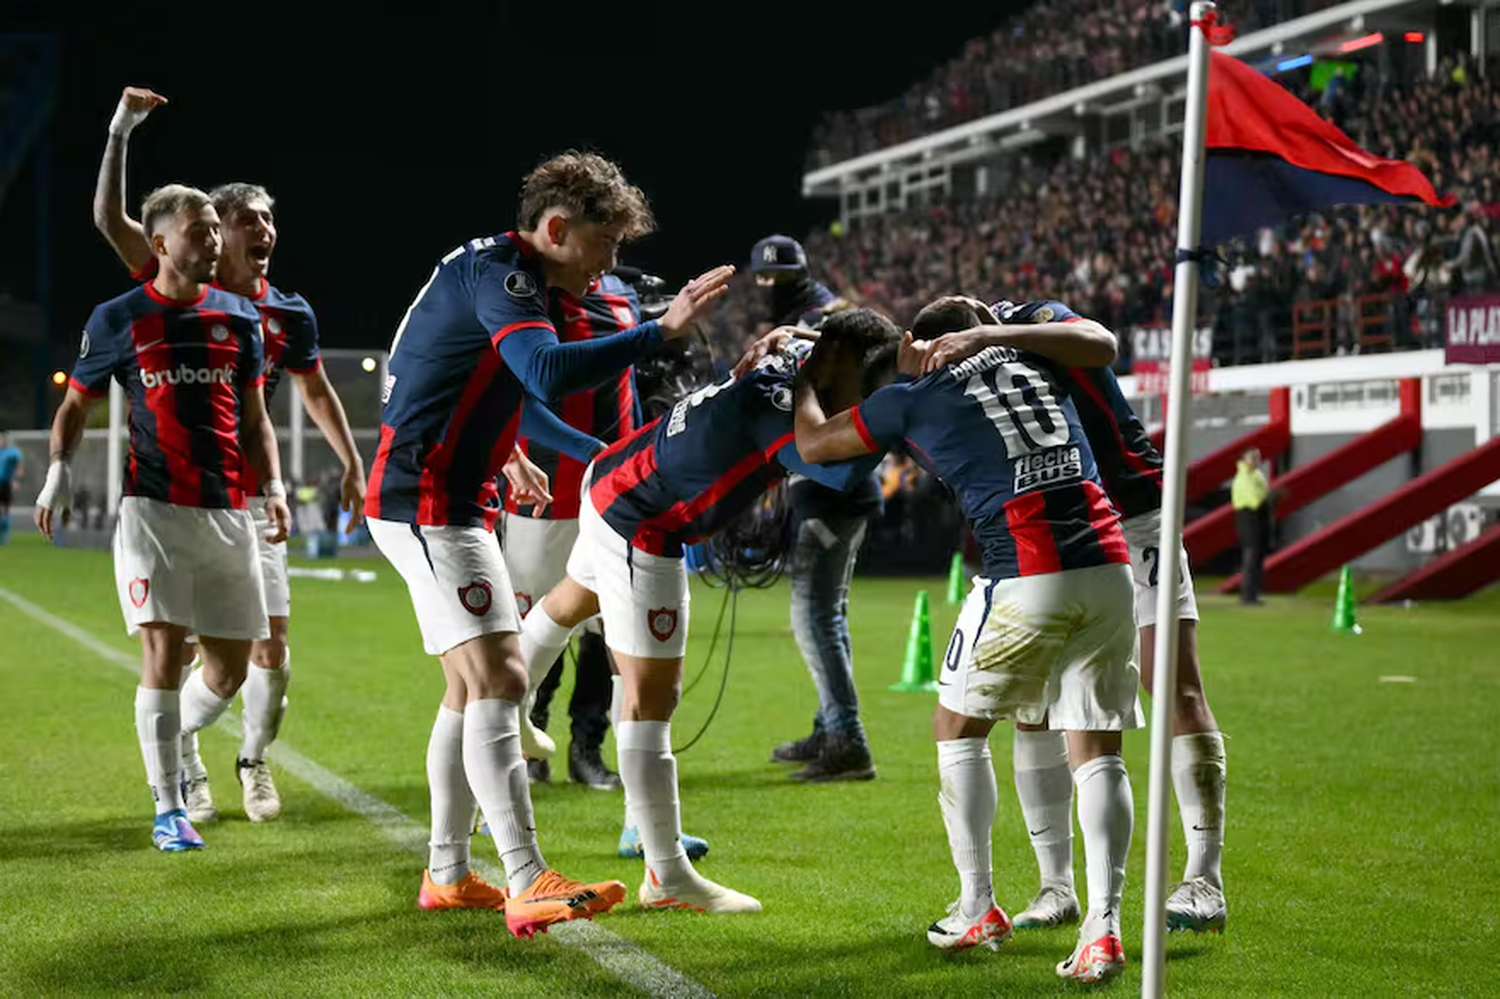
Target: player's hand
point(911, 355)
point(765, 347)
point(950, 348)
point(528, 483)
point(55, 497)
point(135, 104)
point(352, 493)
point(694, 300)
point(280, 517)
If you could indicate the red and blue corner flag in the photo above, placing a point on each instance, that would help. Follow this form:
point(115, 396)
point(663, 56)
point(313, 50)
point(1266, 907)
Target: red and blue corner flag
point(1269, 156)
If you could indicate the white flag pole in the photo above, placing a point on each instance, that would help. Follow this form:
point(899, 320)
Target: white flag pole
point(1173, 486)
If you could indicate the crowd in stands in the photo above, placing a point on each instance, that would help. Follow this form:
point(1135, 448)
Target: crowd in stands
point(1050, 48)
point(1099, 233)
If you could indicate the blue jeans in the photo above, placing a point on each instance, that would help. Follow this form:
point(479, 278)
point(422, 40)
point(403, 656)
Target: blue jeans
point(823, 553)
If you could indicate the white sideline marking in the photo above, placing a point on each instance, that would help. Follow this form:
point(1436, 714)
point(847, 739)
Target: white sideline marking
point(332, 575)
point(1398, 679)
point(608, 949)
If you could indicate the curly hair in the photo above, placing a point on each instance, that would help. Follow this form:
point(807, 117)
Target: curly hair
point(586, 186)
point(230, 198)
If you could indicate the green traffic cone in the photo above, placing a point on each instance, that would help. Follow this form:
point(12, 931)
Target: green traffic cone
point(956, 579)
point(1343, 605)
point(916, 665)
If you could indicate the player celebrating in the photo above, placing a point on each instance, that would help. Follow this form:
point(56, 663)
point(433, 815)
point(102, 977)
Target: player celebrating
point(1130, 469)
point(12, 465)
point(1046, 634)
point(189, 356)
point(676, 481)
point(290, 333)
point(475, 341)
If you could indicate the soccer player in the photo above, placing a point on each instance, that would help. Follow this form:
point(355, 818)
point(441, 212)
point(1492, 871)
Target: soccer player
point(1130, 469)
point(536, 540)
point(828, 528)
point(290, 333)
point(1046, 634)
point(189, 357)
point(676, 481)
point(12, 466)
point(475, 343)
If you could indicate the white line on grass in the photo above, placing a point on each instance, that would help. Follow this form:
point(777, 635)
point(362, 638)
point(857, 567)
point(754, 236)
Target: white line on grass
point(611, 951)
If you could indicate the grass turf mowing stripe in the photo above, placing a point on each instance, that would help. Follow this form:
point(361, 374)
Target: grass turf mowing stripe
point(608, 949)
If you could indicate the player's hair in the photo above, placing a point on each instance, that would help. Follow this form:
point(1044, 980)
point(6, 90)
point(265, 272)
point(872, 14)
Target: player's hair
point(166, 202)
point(586, 186)
point(230, 198)
point(864, 335)
point(948, 314)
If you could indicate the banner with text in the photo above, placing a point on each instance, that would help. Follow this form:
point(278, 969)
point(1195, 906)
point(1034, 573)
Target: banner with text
point(1472, 323)
point(1151, 353)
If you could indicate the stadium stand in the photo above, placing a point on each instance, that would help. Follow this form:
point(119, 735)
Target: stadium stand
point(1098, 233)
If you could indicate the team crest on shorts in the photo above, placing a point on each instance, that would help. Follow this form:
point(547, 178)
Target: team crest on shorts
point(662, 622)
point(476, 597)
point(524, 603)
point(138, 589)
point(219, 333)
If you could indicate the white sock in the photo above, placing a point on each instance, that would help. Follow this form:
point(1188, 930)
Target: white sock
point(649, 772)
point(158, 726)
point(192, 763)
point(616, 708)
point(1106, 814)
point(542, 641)
point(264, 695)
point(497, 777)
point(201, 707)
point(452, 801)
point(1198, 772)
point(968, 797)
point(1044, 785)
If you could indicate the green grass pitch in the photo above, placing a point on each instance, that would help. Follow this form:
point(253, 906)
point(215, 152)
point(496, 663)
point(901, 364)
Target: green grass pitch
point(1362, 816)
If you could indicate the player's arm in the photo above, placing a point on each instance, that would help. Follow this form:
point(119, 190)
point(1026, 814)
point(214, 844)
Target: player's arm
point(327, 411)
point(821, 438)
point(67, 431)
point(528, 342)
point(540, 424)
point(770, 344)
point(1061, 335)
point(259, 435)
point(124, 233)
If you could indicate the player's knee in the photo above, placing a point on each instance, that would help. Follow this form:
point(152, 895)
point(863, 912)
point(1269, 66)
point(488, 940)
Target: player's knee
point(269, 653)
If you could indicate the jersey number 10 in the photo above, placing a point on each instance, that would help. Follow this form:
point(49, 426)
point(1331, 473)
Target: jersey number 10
point(1018, 400)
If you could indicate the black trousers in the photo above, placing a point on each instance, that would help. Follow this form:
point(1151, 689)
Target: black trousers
point(588, 710)
point(1253, 530)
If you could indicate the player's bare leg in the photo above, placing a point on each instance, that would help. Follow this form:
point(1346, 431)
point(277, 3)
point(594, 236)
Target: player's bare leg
point(968, 798)
point(493, 678)
point(651, 691)
point(1198, 777)
point(158, 723)
point(1106, 815)
point(264, 694)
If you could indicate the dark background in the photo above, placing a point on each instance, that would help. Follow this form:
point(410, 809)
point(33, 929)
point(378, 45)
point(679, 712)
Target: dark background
point(389, 138)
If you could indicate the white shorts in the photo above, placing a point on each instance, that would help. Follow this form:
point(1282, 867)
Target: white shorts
point(1143, 535)
point(457, 580)
point(272, 563)
point(643, 598)
point(536, 556)
point(1057, 648)
point(189, 566)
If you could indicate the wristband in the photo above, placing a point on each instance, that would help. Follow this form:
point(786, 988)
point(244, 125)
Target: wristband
point(126, 119)
point(274, 487)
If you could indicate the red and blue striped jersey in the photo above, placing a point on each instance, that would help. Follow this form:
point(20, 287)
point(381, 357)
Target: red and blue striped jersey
point(1129, 464)
point(689, 473)
point(606, 413)
point(477, 340)
point(1001, 432)
point(185, 367)
point(288, 328)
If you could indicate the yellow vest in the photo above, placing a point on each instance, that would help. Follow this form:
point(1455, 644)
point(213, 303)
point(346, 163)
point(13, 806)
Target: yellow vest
point(1249, 489)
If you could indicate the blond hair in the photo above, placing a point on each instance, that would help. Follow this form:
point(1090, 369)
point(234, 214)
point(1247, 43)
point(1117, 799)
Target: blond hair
point(169, 201)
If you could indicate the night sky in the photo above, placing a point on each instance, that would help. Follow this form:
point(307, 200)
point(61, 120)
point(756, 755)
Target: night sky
point(389, 140)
